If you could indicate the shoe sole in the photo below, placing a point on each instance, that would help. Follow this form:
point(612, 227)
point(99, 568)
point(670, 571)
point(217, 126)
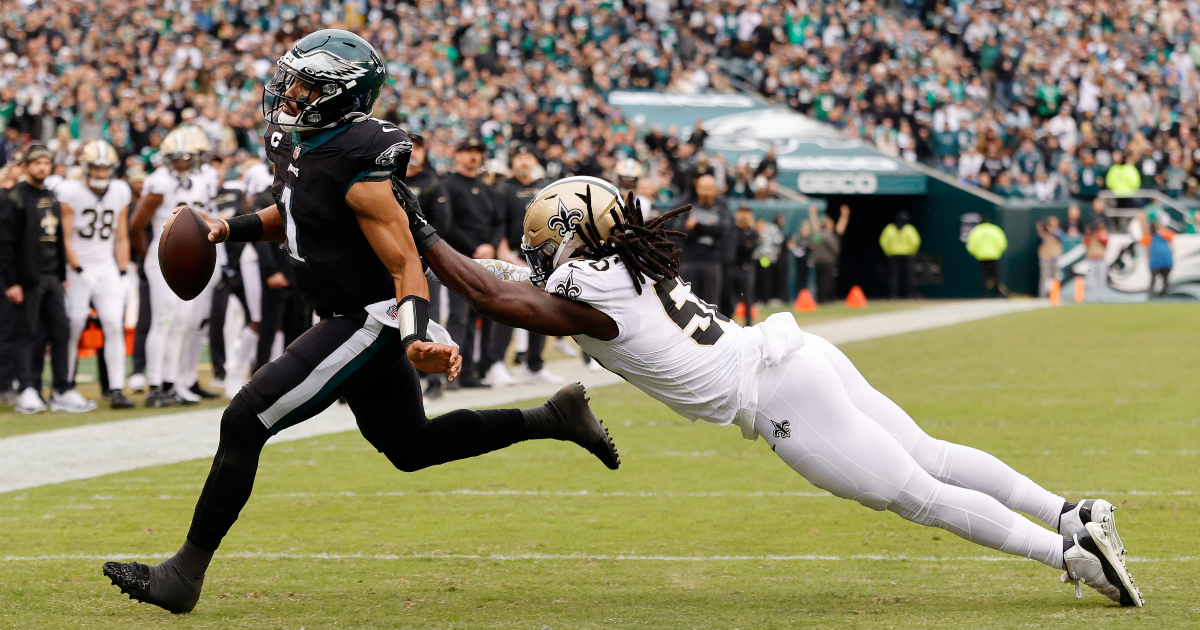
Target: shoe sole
point(59, 408)
point(1113, 563)
point(29, 412)
point(1102, 513)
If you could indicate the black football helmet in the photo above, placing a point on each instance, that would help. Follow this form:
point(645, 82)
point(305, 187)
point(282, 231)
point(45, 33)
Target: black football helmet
point(341, 76)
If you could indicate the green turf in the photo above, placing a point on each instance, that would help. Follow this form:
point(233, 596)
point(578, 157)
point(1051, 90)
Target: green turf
point(1082, 398)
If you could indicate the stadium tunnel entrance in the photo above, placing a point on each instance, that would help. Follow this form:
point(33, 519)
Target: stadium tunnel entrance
point(862, 261)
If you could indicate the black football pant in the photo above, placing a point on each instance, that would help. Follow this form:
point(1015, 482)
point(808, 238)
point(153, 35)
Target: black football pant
point(741, 288)
point(989, 275)
point(352, 356)
point(461, 326)
point(45, 310)
point(496, 342)
point(143, 325)
point(12, 329)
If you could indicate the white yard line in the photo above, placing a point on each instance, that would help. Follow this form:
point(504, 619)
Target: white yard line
point(50, 457)
point(266, 555)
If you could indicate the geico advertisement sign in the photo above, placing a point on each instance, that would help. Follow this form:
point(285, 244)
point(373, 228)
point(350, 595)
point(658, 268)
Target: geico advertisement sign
point(825, 183)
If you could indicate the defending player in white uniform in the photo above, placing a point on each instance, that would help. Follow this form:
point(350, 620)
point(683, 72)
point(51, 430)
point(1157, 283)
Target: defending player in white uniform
point(173, 343)
point(97, 254)
point(794, 389)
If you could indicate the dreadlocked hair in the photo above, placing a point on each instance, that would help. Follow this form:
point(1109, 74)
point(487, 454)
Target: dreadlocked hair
point(644, 246)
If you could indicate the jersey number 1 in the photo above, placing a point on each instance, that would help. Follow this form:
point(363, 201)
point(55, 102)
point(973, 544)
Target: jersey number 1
point(293, 241)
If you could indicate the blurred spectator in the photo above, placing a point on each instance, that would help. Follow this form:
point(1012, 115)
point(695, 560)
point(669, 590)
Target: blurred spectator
point(801, 250)
point(1095, 238)
point(824, 247)
point(770, 262)
point(740, 272)
point(704, 251)
point(1158, 239)
point(1048, 251)
point(1122, 178)
point(986, 242)
point(900, 242)
point(476, 227)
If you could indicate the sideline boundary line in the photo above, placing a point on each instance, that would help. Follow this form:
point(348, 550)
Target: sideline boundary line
point(266, 555)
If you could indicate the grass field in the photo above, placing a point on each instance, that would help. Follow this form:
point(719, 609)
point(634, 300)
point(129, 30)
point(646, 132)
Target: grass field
point(1095, 400)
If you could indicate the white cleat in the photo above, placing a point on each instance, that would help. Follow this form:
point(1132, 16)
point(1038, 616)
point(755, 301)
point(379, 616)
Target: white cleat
point(30, 402)
point(187, 395)
point(1091, 511)
point(543, 377)
point(137, 383)
point(71, 401)
point(1094, 561)
point(498, 375)
point(565, 348)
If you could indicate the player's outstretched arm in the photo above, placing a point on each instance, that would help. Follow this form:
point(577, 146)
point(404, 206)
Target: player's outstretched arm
point(516, 304)
point(385, 225)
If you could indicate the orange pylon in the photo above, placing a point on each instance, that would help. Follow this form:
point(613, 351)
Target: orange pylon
point(1078, 289)
point(856, 299)
point(805, 302)
point(740, 311)
point(1055, 290)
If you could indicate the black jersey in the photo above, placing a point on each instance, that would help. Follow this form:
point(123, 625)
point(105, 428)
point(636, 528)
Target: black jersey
point(336, 269)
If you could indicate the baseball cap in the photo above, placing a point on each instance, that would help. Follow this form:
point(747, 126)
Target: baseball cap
point(35, 151)
point(470, 143)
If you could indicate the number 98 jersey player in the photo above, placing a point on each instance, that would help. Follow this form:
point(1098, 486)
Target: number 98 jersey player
point(356, 262)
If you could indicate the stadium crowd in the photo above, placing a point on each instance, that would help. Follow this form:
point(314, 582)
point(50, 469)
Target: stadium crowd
point(1038, 99)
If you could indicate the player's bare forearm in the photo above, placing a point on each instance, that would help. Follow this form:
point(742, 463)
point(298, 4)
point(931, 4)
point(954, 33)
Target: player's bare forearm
point(68, 219)
point(385, 225)
point(516, 304)
point(142, 214)
point(121, 242)
point(273, 230)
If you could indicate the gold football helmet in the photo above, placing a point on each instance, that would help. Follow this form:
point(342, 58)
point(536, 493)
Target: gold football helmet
point(98, 159)
point(556, 215)
point(183, 149)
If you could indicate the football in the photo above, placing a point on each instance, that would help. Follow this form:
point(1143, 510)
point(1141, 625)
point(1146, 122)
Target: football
point(185, 255)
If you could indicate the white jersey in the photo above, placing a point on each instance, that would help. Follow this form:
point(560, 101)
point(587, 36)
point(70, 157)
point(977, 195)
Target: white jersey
point(197, 190)
point(671, 345)
point(94, 226)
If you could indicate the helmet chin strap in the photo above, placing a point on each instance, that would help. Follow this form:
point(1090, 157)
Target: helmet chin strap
point(566, 250)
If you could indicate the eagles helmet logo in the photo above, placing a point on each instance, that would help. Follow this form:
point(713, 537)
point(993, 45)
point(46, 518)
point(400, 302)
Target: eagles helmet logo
point(567, 288)
point(388, 157)
point(565, 221)
point(324, 65)
point(782, 429)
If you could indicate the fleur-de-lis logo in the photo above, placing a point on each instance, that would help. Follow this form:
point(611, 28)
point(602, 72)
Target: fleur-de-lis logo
point(782, 429)
point(567, 287)
point(565, 221)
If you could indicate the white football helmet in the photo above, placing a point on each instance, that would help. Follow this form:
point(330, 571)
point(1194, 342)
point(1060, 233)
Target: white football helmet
point(184, 148)
point(98, 155)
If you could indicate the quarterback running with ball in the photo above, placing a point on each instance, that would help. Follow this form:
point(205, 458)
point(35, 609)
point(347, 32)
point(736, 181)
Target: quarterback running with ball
point(602, 274)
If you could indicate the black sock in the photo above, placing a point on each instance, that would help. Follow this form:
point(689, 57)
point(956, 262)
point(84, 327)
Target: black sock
point(1067, 544)
point(541, 423)
point(166, 386)
point(457, 435)
point(231, 478)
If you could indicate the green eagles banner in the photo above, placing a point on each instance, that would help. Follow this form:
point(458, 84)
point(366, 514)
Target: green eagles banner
point(813, 158)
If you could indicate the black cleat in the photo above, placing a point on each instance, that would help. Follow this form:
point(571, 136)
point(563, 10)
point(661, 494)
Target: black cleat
point(117, 400)
point(139, 582)
point(203, 393)
point(159, 398)
point(578, 424)
point(472, 382)
point(435, 390)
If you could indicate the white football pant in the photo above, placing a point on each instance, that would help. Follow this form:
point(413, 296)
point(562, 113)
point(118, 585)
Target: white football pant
point(825, 421)
point(174, 342)
point(98, 285)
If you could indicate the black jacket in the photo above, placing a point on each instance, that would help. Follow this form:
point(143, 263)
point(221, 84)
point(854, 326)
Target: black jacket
point(8, 253)
point(705, 242)
point(516, 199)
point(477, 216)
point(37, 221)
point(427, 186)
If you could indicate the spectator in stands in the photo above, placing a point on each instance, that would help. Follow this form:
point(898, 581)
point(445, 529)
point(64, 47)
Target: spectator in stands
point(900, 242)
point(987, 242)
point(770, 262)
point(706, 226)
point(1095, 239)
point(1122, 178)
point(1048, 252)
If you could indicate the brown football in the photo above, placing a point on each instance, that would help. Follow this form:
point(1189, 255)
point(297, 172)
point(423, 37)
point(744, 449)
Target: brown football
point(185, 256)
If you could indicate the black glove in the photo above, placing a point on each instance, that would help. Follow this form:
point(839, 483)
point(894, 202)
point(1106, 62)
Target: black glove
point(423, 233)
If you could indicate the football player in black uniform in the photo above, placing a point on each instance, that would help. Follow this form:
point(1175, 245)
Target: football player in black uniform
point(355, 261)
